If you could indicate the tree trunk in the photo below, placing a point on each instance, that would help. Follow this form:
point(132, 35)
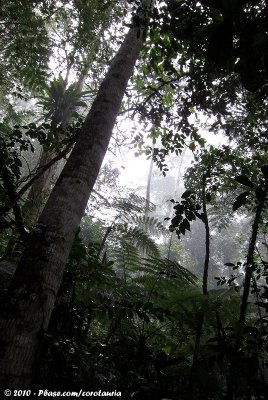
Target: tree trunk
point(148, 191)
point(201, 313)
point(207, 256)
point(40, 188)
point(37, 280)
point(148, 186)
point(249, 267)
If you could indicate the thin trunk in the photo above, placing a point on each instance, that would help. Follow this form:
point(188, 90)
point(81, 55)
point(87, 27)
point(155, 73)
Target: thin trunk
point(201, 313)
point(148, 199)
point(148, 186)
point(107, 233)
point(206, 265)
point(150, 175)
point(178, 178)
point(148, 193)
point(198, 335)
point(249, 267)
point(38, 277)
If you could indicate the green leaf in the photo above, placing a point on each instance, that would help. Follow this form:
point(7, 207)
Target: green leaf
point(190, 215)
point(179, 208)
point(186, 224)
point(182, 229)
point(192, 146)
point(242, 195)
point(240, 201)
point(186, 194)
point(244, 180)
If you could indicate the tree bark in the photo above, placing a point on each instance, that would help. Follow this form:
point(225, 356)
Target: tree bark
point(207, 256)
point(249, 267)
point(38, 277)
point(201, 313)
point(148, 186)
point(148, 190)
point(40, 188)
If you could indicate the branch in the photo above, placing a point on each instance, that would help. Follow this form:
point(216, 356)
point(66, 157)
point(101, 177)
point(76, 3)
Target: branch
point(9, 188)
point(17, 195)
point(141, 107)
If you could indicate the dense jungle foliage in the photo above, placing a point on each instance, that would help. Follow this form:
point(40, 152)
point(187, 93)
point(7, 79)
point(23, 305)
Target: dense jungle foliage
point(164, 295)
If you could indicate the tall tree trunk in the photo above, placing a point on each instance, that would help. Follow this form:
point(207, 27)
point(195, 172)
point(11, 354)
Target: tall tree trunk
point(249, 267)
point(148, 190)
point(178, 179)
point(207, 254)
point(37, 280)
point(201, 313)
point(40, 188)
point(148, 186)
point(179, 175)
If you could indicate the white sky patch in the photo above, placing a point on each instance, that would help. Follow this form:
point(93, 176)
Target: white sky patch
point(134, 170)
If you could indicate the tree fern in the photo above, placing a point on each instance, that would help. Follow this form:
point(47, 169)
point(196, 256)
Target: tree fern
point(126, 256)
point(150, 224)
point(172, 269)
point(142, 241)
point(132, 204)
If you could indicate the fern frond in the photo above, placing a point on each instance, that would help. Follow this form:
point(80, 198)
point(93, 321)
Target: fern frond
point(171, 269)
point(138, 238)
point(132, 204)
point(143, 241)
point(150, 224)
point(127, 256)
